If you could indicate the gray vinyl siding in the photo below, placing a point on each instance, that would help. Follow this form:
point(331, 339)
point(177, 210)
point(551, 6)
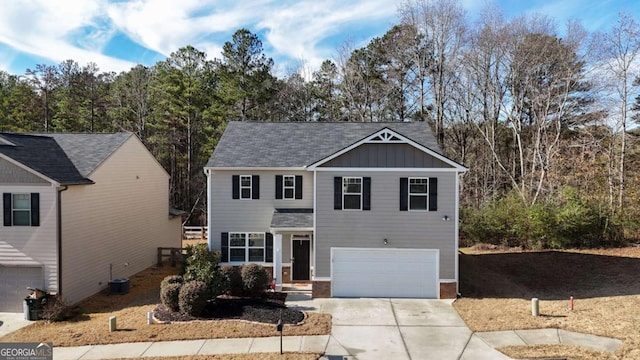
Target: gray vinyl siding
point(402, 229)
point(33, 245)
point(386, 156)
point(13, 174)
point(240, 215)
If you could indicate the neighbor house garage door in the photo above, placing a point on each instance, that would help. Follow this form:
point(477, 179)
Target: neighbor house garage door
point(384, 272)
point(13, 286)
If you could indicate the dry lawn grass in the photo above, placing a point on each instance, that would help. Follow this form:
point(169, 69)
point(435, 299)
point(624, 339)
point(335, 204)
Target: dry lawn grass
point(91, 327)
point(497, 289)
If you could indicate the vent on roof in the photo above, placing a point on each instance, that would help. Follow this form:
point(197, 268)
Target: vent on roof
point(386, 137)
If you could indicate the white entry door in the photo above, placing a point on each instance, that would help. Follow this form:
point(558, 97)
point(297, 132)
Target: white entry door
point(384, 272)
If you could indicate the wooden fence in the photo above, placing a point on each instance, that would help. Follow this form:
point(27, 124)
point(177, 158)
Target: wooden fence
point(195, 232)
point(175, 255)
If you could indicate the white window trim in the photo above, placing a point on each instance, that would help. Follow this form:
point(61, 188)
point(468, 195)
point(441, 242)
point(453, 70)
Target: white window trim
point(344, 193)
point(284, 187)
point(409, 194)
point(14, 209)
point(250, 187)
point(246, 247)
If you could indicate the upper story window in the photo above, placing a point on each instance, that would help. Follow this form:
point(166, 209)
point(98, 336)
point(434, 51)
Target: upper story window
point(352, 193)
point(21, 209)
point(245, 186)
point(288, 187)
point(418, 193)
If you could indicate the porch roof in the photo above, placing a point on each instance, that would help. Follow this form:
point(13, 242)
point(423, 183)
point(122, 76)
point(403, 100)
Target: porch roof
point(292, 219)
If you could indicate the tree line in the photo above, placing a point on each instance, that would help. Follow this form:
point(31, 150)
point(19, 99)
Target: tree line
point(534, 112)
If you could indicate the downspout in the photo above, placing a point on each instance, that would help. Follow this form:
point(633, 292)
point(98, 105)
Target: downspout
point(207, 172)
point(59, 236)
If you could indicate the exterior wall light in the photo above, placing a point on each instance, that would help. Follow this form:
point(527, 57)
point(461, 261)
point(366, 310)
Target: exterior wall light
point(445, 218)
point(386, 242)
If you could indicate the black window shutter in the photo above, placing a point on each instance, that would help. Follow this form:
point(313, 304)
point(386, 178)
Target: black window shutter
point(268, 248)
point(278, 186)
point(433, 194)
point(298, 187)
point(366, 193)
point(6, 206)
point(236, 186)
point(35, 209)
point(337, 193)
point(255, 186)
point(404, 194)
point(224, 257)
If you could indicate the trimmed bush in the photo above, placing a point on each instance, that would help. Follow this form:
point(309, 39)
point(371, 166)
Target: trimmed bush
point(169, 295)
point(233, 280)
point(255, 279)
point(171, 279)
point(193, 297)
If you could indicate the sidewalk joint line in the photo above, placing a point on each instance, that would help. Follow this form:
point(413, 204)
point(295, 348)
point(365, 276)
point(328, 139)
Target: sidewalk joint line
point(404, 343)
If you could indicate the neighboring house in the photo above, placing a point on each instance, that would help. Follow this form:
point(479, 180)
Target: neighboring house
point(358, 209)
point(79, 210)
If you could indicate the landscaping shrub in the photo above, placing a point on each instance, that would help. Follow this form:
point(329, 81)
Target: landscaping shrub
point(564, 221)
point(169, 295)
point(203, 265)
point(171, 279)
point(255, 279)
point(233, 280)
point(193, 297)
point(56, 309)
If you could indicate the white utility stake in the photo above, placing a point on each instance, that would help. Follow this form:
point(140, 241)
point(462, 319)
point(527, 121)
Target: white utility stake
point(112, 324)
point(149, 317)
point(535, 307)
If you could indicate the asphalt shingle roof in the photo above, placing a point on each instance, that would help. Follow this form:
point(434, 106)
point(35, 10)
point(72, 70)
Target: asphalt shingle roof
point(44, 155)
point(65, 158)
point(292, 218)
point(87, 151)
point(298, 144)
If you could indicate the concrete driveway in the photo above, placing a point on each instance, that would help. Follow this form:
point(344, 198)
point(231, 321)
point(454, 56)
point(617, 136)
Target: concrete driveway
point(399, 329)
point(10, 322)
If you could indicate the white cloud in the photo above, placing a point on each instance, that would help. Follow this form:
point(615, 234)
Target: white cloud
point(296, 30)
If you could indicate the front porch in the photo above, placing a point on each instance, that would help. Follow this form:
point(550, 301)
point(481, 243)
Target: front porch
point(292, 231)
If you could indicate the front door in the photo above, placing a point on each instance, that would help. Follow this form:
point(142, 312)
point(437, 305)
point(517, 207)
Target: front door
point(300, 260)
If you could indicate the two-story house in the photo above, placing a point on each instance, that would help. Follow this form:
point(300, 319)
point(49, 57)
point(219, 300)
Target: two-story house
point(358, 209)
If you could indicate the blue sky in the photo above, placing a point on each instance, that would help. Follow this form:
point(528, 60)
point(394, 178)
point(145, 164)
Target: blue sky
point(118, 34)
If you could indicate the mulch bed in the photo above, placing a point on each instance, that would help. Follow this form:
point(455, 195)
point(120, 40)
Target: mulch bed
point(251, 309)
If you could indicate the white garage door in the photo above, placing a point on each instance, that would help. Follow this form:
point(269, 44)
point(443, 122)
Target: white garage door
point(13, 286)
point(384, 272)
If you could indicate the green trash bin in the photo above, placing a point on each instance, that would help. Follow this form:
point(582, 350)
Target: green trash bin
point(32, 308)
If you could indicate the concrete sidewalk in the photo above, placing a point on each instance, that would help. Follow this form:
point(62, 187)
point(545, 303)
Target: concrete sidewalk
point(317, 344)
point(476, 347)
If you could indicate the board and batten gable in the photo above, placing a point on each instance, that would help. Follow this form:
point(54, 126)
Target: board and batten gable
point(402, 229)
point(390, 155)
point(249, 215)
point(117, 223)
point(32, 245)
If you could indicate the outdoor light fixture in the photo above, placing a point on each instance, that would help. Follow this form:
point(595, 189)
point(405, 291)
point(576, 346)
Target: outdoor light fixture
point(386, 242)
point(445, 218)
